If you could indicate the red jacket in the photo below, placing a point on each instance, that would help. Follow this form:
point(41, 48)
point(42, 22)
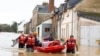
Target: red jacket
point(30, 41)
point(21, 39)
point(71, 43)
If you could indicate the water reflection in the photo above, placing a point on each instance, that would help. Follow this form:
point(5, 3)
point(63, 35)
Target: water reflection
point(84, 51)
point(46, 54)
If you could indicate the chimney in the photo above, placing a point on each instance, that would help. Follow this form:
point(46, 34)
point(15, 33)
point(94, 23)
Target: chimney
point(51, 5)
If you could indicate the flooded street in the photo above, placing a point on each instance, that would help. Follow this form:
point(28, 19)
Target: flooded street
point(7, 50)
point(84, 51)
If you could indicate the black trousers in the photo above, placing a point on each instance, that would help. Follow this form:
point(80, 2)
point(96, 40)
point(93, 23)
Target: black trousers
point(21, 45)
point(70, 51)
point(30, 48)
point(38, 43)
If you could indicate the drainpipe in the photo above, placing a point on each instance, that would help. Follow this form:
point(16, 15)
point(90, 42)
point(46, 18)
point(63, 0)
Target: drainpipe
point(60, 25)
point(78, 29)
point(72, 22)
point(31, 25)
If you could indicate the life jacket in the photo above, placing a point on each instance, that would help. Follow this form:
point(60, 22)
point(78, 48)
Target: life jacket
point(30, 41)
point(71, 43)
point(21, 39)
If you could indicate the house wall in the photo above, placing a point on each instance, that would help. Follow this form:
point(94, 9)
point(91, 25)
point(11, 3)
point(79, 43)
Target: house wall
point(34, 18)
point(40, 32)
point(43, 17)
point(55, 25)
point(21, 28)
point(44, 34)
point(89, 32)
point(69, 24)
point(26, 28)
point(34, 21)
point(38, 18)
point(42, 26)
point(58, 30)
point(29, 27)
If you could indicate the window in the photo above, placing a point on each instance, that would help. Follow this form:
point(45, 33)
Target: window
point(47, 29)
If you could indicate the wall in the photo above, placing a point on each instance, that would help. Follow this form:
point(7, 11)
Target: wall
point(89, 32)
point(43, 17)
point(34, 18)
point(42, 26)
point(34, 21)
point(55, 25)
point(69, 24)
point(40, 31)
point(44, 34)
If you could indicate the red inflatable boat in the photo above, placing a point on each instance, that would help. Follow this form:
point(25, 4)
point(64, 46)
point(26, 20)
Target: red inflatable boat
point(53, 47)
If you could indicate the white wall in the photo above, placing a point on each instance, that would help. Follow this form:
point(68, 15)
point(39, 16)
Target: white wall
point(40, 31)
point(21, 27)
point(66, 25)
point(89, 32)
point(58, 30)
point(49, 21)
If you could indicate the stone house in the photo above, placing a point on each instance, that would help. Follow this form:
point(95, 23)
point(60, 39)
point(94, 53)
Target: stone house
point(44, 25)
point(89, 22)
point(41, 11)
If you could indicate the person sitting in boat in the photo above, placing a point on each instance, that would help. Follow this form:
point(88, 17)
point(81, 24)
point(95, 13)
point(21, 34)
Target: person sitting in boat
point(21, 40)
point(46, 42)
point(51, 38)
point(71, 44)
point(30, 43)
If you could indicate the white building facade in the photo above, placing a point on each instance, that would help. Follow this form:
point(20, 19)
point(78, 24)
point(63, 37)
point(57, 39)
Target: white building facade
point(68, 24)
point(89, 32)
point(44, 29)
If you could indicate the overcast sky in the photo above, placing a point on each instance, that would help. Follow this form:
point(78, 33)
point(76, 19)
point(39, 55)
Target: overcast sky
point(18, 10)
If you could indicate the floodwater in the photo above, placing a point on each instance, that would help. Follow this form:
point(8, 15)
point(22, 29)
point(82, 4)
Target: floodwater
point(7, 50)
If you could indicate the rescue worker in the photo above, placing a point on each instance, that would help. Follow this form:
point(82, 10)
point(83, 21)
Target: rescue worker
point(21, 40)
point(71, 44)
point(37, 42)
point(30, 42)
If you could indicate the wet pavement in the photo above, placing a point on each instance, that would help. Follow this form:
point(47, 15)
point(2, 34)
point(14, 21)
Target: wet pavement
point(7, 50)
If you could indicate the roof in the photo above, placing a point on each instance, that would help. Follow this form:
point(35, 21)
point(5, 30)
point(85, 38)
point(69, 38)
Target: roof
point(92, 6)
point(88, 22)
point(89, 9)
point(90, 15)
point(42, 9)
point(73, 3)
point(63, 7)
